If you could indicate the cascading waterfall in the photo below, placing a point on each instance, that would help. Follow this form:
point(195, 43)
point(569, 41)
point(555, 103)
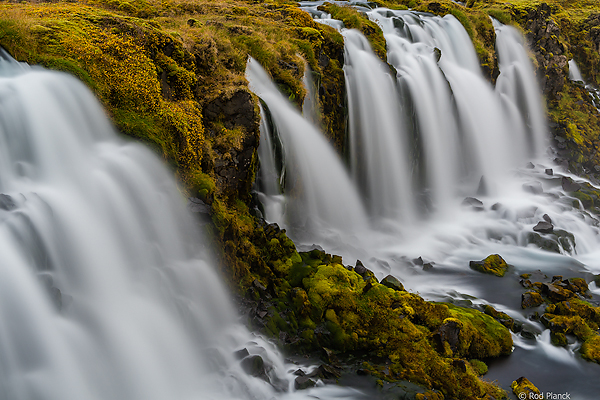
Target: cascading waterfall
point(319, 191)
point(378, 155)
point(458, 136)
point(106, 290)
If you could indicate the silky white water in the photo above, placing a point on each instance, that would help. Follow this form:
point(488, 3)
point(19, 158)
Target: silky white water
point(439, 133)
point(106, 288)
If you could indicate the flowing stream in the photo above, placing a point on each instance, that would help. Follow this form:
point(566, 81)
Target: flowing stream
point(106, 289)
point(444, 168)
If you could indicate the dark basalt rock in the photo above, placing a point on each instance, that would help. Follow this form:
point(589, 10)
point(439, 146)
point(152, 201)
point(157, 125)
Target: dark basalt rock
point(241, 354)
point(568, 185)
point(448, 332)
point(255, 366)
point(547, 218)
point(392, 282)
point(360, 268)
point(303, 382)
point(544, 227)
point(549, 171)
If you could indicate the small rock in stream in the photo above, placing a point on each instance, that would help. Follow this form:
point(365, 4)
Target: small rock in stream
point(544, 227)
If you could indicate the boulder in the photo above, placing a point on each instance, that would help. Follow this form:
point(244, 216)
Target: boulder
point(493, 265)
point(303, 382)
point(568, 185)
point(531, 299)
point(392, 282)
point(555, 292)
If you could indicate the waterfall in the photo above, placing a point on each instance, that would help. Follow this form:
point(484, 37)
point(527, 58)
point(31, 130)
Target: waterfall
point(378, 154)
point(106, 288)
point(319, 190)
point(518, 88)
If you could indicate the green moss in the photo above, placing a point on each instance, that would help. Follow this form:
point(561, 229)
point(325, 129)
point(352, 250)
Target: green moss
point(523, 387)
point(352, 19)
point(493, 265)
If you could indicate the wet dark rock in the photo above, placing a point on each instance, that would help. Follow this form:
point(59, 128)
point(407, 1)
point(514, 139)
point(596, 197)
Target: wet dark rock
point(255, 366)
point(299, 372)
point(241, 354)
point(496, 206)
point(448, 332)
point(7, 203)
point(556, 278)
point(549, 171)
point(392, 282)
point(325, 372)
point(530, 165)
point(533, 187)
point(568, 185)
point(526, 283)
point(547, 218)
point(360, 269)
point(544, 227)
point(531, 299)
point(418, 261)
point(526, 333)
point(543, 243)
point(474, 203)
point(427, 266)
point(303, 382)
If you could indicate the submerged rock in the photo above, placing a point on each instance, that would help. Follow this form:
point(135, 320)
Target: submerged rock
point(6, 202)
point(474, 203)
point(493, 264)
point(533, 187)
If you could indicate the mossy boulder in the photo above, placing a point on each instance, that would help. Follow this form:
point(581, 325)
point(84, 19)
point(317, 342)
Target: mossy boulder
point(523, 387)
point(493, 265)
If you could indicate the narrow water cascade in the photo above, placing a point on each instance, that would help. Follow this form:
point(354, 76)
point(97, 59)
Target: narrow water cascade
point(107, 290)
point(518, 87)
point(575, 75)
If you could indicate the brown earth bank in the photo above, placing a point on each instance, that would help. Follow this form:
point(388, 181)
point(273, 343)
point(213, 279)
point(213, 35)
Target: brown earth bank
point(171, 74)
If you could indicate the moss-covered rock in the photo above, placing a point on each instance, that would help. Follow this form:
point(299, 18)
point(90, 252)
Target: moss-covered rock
point(493, 265)
point(523, 387)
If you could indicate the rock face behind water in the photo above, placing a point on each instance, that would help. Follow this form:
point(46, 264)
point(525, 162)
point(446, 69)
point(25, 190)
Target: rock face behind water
point(493, 265)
